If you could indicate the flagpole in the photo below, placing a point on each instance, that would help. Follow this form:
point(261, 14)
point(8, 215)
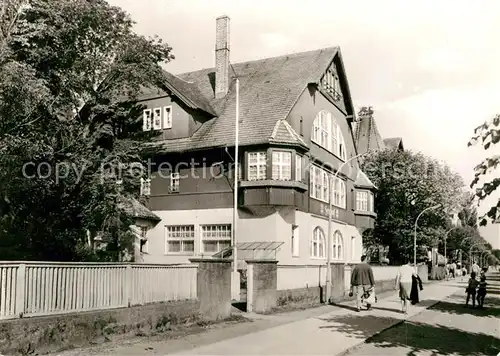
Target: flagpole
point(236, 175)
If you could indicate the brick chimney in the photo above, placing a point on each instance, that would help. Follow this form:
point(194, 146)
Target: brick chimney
point(222, 57)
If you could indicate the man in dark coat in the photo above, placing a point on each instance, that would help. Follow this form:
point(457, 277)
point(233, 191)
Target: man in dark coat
point(362, 280)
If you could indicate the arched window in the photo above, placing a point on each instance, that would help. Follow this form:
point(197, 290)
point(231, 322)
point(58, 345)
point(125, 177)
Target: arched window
point(318, 243)
point(338, 246)
point(327, 133)
point(339, 193)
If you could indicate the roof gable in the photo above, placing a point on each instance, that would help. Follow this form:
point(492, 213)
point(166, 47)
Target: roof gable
point(269, 88)
point(394, 143)
point(283, 133)
point(362, 181)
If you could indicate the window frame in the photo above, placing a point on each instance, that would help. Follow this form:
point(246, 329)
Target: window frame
point(282, 165)
point(147, 120)
point(363, 204)
point(180, 239)
point(218, 239)
point(145, 188)
point(318, 237)
point(174, 177)
point(260, 161)
point(167, 118)
point(337, 242)
point(143, 236)
point(298, 167)
point(327, 133)
point(157, 119)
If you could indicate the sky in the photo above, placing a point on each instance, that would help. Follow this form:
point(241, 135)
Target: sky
point(429, 69)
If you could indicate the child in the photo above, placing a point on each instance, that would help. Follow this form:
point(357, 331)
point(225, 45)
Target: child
point(471, 289)
point(481, 291)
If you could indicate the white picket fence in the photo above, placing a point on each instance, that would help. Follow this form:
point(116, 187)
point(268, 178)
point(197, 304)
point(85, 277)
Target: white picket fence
point(45, 288)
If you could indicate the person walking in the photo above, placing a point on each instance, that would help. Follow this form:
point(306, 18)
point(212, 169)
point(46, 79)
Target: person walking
point(362, 281)
point(471, 290)
point(475, 268)
point(404, 279)
point(453, 269)
point(481, 291)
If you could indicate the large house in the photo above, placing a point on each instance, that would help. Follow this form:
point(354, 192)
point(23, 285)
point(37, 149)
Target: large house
point(295, 133)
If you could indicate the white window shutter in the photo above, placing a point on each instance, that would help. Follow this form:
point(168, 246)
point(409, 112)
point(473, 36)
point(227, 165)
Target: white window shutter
point(167, 117)
point(146, 120)
point(157, 119)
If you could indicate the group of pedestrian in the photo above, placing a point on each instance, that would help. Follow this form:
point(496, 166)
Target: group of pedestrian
point(476, 289)
point(408, 283)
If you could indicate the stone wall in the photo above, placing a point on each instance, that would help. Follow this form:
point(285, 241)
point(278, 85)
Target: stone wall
point(261, 286)
point(40, 335)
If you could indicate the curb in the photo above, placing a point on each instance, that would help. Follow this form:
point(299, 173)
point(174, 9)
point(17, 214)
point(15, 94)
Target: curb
point(397, 323)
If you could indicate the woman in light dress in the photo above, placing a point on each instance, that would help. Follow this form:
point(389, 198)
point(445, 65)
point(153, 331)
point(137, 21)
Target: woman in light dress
point(403, 283)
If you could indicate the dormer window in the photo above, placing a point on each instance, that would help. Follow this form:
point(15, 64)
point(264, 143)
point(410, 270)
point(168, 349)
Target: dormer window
point(331, 84)
point(327, 133)
point(157, 118)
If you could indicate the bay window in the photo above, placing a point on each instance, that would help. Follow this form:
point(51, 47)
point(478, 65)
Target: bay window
point(257, 165)
point(282, 165)
point(364, 201)
point(298, 167)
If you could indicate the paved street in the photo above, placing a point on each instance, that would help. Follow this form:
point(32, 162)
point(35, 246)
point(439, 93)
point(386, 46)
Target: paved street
point(439, 325)
point(447, 328)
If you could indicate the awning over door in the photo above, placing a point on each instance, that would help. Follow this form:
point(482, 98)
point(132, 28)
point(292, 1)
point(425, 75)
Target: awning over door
point(261, 250)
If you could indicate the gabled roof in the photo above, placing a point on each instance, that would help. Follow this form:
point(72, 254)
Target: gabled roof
point(269, 88)
point(187, 92)
point(394, 142)
point(362, 181)
point(283, 133)
point(135, 209)
point(367, 136)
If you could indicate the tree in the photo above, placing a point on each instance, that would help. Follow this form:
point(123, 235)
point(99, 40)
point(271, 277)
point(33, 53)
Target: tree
point(407, 184)
point(70, 76)
point(487, 134)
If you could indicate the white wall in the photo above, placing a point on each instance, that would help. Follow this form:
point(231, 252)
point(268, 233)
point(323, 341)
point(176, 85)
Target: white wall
point(273, 227)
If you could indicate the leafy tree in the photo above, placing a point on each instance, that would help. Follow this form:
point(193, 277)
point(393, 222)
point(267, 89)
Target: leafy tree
point(70, 76)
point(487, 134)
point(407, 184)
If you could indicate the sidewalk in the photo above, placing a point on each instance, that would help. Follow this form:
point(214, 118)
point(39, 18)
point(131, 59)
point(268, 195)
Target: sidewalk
point(332, 333)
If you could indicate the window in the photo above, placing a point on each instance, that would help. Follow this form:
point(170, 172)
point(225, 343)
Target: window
point(174, 182)
point(339, 194)
point(180, 239)
point(298, 168)
point(327, 133)
point(257, 163)
point(319, 187)
point(371, 202)
point(215, 238)
point(337, 247)
point(331, 84)
point(362, 201)
point(295, 241)
point(167, 117)
point(145, 186)
point(353, 248)
point(143, 241)
point(157, 119)
point(282, 165)
point(318, 243)
point(146, 120)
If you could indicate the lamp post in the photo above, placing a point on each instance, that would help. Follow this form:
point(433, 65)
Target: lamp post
point(415, 233)
point(470, 251)
point(331, 180)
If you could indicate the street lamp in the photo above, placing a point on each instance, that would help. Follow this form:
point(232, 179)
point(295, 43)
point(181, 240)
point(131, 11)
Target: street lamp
point(331, 180)
point(415, 233)
point(470, 251)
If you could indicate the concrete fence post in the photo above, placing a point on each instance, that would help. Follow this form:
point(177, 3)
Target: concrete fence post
point(20, 290)
point(262, 285)
point(214, 287)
